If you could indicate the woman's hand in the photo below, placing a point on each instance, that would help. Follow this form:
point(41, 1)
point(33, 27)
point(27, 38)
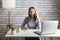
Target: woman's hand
point(26, 28)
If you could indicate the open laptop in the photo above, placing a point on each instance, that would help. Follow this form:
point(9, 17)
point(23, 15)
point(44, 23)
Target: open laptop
point(48, 27)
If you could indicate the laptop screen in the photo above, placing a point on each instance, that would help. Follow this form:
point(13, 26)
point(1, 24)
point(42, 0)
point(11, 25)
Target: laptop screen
point(49, 27)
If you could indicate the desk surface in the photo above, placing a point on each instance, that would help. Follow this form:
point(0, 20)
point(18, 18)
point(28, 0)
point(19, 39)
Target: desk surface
point(22, 33)
point(29, 33)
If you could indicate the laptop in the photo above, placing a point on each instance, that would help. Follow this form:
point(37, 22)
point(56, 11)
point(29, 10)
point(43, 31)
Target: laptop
point(48, 27)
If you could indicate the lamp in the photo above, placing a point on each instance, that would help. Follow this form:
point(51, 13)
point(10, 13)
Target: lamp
point(8, 4)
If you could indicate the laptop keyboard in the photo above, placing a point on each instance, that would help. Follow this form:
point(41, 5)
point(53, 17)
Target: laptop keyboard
point(37, 32)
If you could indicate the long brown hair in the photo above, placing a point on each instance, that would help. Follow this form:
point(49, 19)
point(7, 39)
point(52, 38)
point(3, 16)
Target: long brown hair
point(29, 16)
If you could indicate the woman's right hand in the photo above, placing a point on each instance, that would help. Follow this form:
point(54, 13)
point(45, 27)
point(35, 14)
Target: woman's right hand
point(26, 28)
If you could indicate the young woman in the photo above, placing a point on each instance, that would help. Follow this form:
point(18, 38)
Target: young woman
point(32, 22)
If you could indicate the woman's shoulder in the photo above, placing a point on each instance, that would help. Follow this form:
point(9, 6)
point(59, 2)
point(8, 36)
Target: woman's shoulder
point(26, 18)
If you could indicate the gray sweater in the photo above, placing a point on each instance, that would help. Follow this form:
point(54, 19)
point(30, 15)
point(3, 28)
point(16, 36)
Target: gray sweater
point(32, 24)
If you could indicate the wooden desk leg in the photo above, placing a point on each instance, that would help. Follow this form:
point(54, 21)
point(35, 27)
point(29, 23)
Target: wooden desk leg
point(51, 38)
point(4, 38)
point(13, 38)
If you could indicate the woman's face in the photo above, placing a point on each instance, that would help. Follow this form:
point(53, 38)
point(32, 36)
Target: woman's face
point(32, 12)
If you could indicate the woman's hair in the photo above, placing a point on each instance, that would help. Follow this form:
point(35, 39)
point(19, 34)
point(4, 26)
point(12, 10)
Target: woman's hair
point(29, 15)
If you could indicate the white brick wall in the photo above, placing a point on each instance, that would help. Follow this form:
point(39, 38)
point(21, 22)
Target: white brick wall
point(47, 9)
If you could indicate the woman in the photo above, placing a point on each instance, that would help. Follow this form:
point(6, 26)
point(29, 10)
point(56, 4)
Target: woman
point(31, 21)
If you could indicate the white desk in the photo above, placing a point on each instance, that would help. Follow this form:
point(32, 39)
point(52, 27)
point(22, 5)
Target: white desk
point(29, 33)
point(22, 33)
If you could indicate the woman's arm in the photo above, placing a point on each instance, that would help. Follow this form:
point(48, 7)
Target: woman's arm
point(24, 23)
point(38, 25)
